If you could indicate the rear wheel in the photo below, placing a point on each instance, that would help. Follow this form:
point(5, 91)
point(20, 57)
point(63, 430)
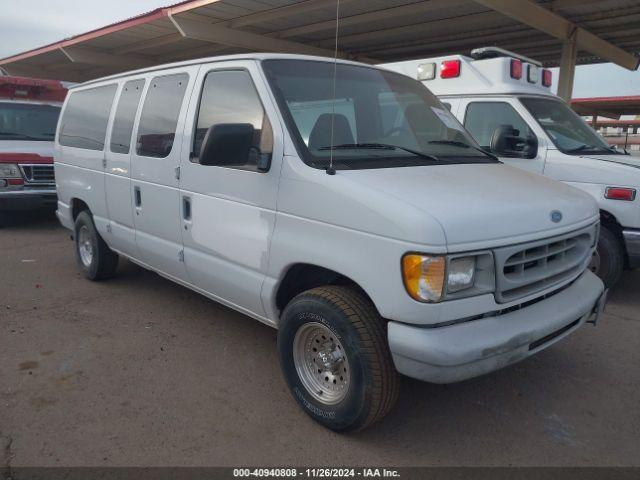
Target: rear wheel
point(608, 259)
point(95, 259)
point(335, 358)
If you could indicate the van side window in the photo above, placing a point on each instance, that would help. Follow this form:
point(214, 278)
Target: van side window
point(159, 117)
point(483, 118)
point(85, 118)
point(231, 97)
point(125, 115)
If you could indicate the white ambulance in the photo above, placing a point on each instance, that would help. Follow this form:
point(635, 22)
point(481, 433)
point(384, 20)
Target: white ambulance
point(505, 101)
point(29, 111)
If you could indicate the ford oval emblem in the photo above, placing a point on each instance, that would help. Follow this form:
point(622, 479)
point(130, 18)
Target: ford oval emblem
point(556, 216)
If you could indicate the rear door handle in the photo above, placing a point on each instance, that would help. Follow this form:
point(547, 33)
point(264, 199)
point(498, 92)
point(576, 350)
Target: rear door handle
point(137, 195)
point(186, 208)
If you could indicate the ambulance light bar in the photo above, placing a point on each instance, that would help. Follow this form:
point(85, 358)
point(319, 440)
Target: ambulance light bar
point(453, 68)
point(516, 68)
point(13, 87)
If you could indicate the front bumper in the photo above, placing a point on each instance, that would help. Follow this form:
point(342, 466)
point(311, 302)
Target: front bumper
point(28, 199)
point(458, 352)
point(632, 244)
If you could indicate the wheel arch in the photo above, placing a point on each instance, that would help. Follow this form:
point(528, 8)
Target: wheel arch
point(77, 206)
point(300, 277)
point(609, 221)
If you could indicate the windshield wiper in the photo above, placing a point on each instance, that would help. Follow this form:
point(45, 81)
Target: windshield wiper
point(585, 147)
point(456, 143)
point(380, 146)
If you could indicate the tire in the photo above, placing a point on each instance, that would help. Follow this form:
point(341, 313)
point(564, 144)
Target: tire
point(608, 261)
point(95, 259)
point(355, 391)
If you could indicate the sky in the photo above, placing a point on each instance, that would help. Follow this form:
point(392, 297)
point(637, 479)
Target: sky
point(21, 29)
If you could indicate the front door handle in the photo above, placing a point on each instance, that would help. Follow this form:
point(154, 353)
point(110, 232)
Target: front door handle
point(137, 195)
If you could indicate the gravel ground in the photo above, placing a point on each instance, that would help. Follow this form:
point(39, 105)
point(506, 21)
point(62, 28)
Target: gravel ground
point(140, 371)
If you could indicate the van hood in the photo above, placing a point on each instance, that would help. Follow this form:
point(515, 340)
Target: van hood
point(22, 151)
point(480, 205)
point(619, 159)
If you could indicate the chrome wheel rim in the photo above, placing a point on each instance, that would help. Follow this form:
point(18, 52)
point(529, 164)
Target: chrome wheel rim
point(594, 265)
point(321, 363)
point(85, 246)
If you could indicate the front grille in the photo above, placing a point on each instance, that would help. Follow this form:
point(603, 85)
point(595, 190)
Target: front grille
point(38, 173)
point(528, 268)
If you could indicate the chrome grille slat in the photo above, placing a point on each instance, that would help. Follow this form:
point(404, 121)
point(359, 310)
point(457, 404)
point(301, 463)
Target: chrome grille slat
point(528, 268)
point(38, 173)
point(548, 251)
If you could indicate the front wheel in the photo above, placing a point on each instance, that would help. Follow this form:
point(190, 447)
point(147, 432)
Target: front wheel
point(335, 358)
point(608, 259)
point(95, 259)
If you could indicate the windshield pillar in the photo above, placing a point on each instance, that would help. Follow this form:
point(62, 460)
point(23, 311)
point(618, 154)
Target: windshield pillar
point(568, 67)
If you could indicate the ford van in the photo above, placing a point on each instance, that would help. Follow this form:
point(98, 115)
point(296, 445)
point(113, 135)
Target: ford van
point(338, 202)
point(505, 102)
point(29, 110)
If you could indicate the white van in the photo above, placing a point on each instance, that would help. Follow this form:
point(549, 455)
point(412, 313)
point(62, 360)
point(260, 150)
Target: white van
point(505, 102)
point(374, 247)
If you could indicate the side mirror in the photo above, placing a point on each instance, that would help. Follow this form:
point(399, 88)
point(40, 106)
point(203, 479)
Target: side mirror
point(507, 142)
point(231, 144)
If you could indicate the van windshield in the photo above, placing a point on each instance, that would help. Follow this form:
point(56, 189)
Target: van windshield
point(370, 118)
point(25, 121)
point(567, 130)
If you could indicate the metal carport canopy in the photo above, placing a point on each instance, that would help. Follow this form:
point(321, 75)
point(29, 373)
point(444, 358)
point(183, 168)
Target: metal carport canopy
point(556, 32)
point(610, 107)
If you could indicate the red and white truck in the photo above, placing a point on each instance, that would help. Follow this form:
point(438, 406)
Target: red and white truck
point(29, 110)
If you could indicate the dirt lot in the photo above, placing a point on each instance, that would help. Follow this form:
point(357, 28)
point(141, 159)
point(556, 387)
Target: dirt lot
point(140, 371)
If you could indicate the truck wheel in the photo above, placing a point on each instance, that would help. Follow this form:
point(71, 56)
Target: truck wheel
point(335, 358)
point(95, 259)
point(608, 259)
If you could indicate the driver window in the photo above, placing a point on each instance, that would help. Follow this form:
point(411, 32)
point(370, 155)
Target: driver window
point(230, 97)
point(483, 118)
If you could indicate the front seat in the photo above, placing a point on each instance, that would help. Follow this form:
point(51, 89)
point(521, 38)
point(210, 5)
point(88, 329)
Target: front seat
point(320, 135)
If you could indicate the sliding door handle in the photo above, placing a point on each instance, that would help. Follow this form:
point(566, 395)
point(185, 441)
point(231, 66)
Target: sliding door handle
point(186, 208)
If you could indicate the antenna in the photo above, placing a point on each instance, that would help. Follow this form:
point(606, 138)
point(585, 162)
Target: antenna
point(330, 169)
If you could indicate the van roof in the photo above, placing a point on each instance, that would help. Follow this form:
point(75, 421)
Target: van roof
point(221, 58)
point(477, 77)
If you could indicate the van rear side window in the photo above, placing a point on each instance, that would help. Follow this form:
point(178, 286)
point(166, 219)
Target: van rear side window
point(85, 118)
point(159, 118)
point(125, 116)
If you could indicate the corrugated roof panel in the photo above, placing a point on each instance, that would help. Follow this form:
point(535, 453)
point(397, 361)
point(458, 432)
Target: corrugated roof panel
point(380, 30)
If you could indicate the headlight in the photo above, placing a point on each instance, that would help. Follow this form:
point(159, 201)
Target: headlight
point(425, 276)
point(461, 274)
point(9, 170)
